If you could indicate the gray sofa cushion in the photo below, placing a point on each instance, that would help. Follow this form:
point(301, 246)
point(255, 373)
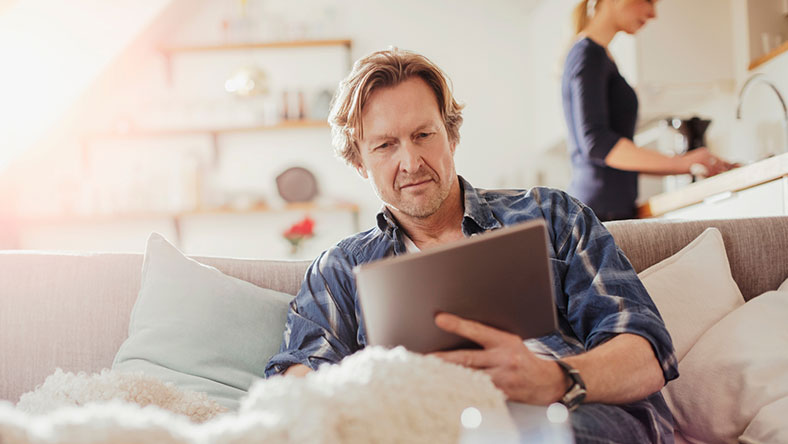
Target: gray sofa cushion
point(72, 310)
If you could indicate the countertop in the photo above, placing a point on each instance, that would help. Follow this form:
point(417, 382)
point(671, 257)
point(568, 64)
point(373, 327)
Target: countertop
point(734, 180)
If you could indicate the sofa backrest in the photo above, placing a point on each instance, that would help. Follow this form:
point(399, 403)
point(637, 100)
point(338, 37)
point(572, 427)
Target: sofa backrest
point(72, 310)
point(757, 248)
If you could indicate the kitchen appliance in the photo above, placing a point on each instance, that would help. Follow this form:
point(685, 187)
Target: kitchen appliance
point(693, 132)
point(693, 135)
point(686, 134)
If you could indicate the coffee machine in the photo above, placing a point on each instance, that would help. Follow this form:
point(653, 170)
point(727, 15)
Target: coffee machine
point(679, 136)
point(692, 130)
point(693, 134)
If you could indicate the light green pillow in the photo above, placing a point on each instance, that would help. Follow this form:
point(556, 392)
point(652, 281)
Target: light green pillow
point(200, 329)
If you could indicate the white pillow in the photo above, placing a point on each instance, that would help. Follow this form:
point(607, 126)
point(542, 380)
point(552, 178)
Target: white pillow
point(200, 329)
point(736, 369)
point(783, 286)
point(769, 425)
point(693, 289)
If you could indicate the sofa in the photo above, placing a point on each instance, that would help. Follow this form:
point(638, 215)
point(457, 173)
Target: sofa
point(72, 310)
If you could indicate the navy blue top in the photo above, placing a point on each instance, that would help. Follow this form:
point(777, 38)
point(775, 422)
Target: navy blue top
point(598, 294)
point(600, 108)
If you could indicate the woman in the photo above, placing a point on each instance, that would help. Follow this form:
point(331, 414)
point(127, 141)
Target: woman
point(601, 111)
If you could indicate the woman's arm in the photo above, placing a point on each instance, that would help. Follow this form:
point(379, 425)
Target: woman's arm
point(625, 155)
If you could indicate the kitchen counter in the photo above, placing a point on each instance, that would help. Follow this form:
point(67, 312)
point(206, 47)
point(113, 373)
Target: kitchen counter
point(734, 180)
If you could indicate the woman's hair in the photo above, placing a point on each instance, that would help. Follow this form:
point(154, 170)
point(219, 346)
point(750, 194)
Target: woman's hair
point(582, 14)
point(380, 70)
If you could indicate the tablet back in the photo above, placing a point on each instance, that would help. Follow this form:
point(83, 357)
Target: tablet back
point(501, 278)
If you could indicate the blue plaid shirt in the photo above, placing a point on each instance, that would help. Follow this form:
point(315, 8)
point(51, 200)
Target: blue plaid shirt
point(598, 293)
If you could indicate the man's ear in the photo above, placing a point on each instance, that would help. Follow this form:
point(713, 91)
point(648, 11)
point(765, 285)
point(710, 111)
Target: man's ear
point(452, 147)
point(361, 170)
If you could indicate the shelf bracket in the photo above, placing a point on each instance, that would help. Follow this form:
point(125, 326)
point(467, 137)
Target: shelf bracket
point(176, 223)
point(168, 67)
point(85, 152)
point(215, 149)
point(349, 52)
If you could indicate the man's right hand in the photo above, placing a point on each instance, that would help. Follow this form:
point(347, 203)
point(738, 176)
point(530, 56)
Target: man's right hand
point(298, 370)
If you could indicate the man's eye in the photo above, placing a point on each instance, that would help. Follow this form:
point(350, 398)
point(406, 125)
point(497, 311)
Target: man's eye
point(382, 145)
point(424, 135)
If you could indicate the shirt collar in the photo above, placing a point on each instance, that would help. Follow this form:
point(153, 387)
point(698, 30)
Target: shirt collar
point(477, 217)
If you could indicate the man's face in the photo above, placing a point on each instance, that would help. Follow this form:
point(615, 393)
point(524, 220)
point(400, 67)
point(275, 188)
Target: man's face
point(405, 150)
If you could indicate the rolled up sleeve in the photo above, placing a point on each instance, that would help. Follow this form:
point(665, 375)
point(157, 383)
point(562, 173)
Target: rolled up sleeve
point(603, 295)
point(321, 326)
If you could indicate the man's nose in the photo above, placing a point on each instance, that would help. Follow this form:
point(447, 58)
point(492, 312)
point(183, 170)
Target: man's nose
point(410, 157)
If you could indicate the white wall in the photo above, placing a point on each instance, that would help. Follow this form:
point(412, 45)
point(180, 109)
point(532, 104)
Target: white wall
point(482, 46)
point(762, 110)
point(51, 52)
point(761, 130)
point(504, 58)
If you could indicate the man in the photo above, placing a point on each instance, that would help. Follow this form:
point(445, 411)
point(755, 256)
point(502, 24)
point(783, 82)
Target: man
point(395, 121)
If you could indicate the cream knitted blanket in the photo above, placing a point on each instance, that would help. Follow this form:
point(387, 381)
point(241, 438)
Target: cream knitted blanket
point(376, 395)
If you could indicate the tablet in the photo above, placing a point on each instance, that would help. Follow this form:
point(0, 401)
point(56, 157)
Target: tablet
point(501, 278)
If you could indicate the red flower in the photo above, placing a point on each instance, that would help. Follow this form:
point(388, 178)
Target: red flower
point(301, 229)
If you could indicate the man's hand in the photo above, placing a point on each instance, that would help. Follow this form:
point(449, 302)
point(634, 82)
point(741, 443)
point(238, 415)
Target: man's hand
point(298, 370)
point(514, 369)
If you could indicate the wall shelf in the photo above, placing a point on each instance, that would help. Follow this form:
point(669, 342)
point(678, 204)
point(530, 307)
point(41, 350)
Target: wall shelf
point(256, 209)
point(284, 125)
point(170, 51)
point(177, 216)
point(214, 133)
point(347, 43)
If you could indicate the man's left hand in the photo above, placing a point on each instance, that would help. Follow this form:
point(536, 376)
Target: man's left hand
point(518, 372)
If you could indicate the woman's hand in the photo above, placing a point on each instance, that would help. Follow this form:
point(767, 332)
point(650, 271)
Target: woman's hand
point(712, 164)
point(626, 156)
point(514, 369)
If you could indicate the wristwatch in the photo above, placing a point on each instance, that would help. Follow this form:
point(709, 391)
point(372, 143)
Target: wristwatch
point(576, 393)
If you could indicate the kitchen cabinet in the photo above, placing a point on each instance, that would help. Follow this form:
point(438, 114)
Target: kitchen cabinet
point(769, 56)
point(767, 26)
point(756, 190)
point(763, 200)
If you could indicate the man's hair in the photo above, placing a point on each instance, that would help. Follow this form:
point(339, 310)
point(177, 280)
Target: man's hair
point(380, 70)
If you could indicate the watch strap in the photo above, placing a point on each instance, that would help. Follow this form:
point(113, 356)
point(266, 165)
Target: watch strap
point(576, 393)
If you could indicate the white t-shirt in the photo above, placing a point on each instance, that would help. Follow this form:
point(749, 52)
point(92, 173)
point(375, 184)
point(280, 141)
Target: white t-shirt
point(410, 246)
